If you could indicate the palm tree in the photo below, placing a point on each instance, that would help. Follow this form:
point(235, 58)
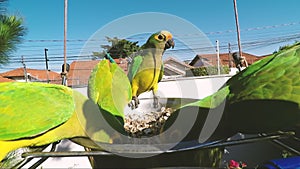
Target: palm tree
point(11, 33)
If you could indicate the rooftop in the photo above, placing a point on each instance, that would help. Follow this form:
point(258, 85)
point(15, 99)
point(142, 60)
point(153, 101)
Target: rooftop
point(33, 74)
point(225, 59)
point(80, 71)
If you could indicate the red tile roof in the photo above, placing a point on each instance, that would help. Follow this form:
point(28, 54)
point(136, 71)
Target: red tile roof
point(3, 79)
point(34, 74)
point(14, 73)
point(225, 59)
point(80, 71)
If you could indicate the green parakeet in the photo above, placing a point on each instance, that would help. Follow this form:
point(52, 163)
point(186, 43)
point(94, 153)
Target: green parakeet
point(36, 114)
point(264, 97)
point(146, 69)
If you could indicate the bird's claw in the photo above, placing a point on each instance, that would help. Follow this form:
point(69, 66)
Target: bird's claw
point(155, 101)
point(134, 103)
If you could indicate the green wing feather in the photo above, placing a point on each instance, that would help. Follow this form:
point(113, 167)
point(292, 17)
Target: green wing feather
point(269, 97)
point(109, 88)
point(30, 109)
point(134, 67)
point(275, 77)
point(161, 73)
point(217, 98)
point(213, 100)
point(265, 97)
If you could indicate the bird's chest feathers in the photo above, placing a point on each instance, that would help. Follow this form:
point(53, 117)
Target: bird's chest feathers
point(149, 71)
point(146, 80)
point(148, 75)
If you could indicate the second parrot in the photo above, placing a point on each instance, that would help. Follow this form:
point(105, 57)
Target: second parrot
point(146, 69)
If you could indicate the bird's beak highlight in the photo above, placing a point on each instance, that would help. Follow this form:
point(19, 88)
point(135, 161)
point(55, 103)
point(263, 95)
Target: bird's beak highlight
point(170, 43)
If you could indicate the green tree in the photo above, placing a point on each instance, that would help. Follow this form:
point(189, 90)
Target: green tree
point(207, 71)
point(119, 48)
point(11, 33)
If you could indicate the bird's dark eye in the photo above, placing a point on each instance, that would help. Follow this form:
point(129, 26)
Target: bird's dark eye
point(161, 37)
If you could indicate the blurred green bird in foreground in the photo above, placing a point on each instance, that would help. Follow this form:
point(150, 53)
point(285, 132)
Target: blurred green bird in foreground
point(37, 114)
point(264, 97)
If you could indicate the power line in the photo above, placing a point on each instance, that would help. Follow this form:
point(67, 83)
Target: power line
point(175, 35)
point(247, 45)
point(256, 38)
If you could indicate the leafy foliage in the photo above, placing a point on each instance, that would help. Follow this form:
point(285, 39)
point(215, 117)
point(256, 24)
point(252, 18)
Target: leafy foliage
point(119, 48)
point(11, 32)
point(206, 71)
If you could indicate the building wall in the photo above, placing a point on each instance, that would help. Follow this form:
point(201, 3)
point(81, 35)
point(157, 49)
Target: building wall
point(184, 87)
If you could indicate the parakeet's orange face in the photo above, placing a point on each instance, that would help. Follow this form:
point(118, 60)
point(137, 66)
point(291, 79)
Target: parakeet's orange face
point(166, 38)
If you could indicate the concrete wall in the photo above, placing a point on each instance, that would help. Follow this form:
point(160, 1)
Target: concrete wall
point(190, 87)
point(184, 87)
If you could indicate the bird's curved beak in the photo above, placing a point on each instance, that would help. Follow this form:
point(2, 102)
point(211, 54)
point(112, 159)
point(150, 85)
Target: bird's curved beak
point(170, 43)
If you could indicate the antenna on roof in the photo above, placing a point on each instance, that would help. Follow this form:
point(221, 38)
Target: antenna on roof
point(47, 69)
point(25, 70)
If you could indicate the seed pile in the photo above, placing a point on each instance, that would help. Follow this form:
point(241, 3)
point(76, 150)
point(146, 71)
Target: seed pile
point(146, 124)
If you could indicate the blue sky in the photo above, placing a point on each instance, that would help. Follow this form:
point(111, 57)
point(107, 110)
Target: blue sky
point(264, 24)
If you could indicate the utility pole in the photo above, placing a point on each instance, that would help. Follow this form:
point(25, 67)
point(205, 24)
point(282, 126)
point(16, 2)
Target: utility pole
point(64, 71)
point(218, 57)
point(47, 69)
point(25, 71)
point(237, 28)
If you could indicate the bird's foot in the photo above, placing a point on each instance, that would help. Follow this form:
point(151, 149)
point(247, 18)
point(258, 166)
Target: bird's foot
point(155, 102)
point(134, 102)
